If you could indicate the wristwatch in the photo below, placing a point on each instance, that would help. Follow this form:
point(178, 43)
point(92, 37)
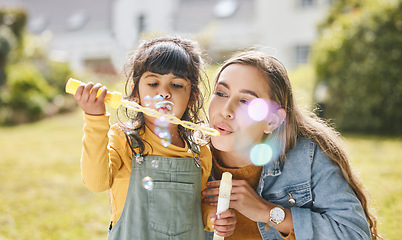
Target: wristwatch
point(276, 216)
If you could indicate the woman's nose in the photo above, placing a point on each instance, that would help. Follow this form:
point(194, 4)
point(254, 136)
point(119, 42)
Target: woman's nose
point(227, 111)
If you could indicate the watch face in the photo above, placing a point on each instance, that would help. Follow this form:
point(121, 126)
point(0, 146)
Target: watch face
point(277, 214)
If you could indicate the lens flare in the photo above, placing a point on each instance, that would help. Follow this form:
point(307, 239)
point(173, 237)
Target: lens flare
point(258, 109)
point(261, 154)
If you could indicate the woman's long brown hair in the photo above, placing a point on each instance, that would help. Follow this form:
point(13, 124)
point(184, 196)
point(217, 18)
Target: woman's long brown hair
point(299, 123)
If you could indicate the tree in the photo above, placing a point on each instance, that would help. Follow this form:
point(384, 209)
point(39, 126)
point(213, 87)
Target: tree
point(358, 56)
point(31, 85)
point(12, 23)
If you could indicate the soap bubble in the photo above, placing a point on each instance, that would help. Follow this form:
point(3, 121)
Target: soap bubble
point(166, 138)
point(147, 183)
point(155, 163)
point(261, 154)
point(258, 109)
point(157, 99)
point(147, 101)
point(158, 131)
point(161, 122)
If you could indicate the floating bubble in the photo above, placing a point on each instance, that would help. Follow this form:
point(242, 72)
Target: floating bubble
point(161, 122)
point(169, 118)
point(157, 99)
point(258, 109)
point(147, 183)
point(155, 163)
point(261, 154)
point(131, 124)
point(159, 131)
point(147, 101)
point(166, 138)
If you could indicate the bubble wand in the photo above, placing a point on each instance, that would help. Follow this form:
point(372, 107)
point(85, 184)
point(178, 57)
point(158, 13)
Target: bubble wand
point(224, 197)
point(115, 99)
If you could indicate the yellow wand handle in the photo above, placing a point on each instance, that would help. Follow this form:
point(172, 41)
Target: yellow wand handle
point(112, 98)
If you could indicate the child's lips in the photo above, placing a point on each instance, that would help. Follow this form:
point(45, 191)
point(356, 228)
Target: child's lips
point(164, 106)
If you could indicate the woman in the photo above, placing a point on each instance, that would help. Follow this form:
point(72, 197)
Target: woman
point(301, 185)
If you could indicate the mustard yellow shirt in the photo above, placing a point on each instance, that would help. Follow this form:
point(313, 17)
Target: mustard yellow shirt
point(245, 228)
point(106, 161)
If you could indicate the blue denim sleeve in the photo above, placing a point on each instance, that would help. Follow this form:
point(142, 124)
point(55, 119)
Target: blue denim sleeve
point(336, 212)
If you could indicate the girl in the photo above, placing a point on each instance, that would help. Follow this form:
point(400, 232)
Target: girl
point(154, 190)
point(305, 188)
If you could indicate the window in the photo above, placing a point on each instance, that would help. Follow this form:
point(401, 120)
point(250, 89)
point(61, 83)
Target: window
point(77, 20)
point(301, 53)
point(141, 23)
point(306, 3)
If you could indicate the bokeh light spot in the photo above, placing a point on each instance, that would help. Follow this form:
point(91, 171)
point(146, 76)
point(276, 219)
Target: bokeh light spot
point(261, 154)
point(258, 109)
point(147, 183)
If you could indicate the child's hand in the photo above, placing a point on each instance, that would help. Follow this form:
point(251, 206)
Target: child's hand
point(225, 224)
point(85, 96)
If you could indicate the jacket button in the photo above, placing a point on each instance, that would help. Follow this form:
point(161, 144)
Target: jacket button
point(292, 202)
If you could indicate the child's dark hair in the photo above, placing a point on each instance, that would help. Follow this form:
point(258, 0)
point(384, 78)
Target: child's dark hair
point(179, 56)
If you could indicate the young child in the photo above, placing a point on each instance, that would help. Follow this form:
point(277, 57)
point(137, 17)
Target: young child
point(154, 187)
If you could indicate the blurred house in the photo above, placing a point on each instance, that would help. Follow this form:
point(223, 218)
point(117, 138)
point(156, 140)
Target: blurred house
point(98, 34)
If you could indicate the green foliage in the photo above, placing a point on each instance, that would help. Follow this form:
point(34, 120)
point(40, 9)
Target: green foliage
point(359, 56)
point(15, 19)
point(57, 75)
point(32, 85)
point(26, 95)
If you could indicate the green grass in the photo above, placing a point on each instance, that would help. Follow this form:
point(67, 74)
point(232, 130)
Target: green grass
point(378, 161)
point(42, 196)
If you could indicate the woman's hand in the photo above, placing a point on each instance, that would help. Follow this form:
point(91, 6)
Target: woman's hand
point(224, 224)
point(85, 96)
point(243, 198)
point(247, 202)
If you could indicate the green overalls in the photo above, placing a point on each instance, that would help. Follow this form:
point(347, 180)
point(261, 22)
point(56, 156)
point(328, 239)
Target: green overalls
point(163, 201)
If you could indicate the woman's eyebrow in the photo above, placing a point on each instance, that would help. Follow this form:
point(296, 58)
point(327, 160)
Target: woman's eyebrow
point(224, 84)
point(244, 91)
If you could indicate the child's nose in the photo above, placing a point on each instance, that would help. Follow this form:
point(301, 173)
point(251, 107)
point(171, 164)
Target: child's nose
point(165, 93)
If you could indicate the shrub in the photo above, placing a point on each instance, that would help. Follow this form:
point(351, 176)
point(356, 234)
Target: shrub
point(359, 57)
point(26, 95)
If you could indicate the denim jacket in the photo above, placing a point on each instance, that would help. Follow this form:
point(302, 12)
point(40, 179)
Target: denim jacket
point(324, 206)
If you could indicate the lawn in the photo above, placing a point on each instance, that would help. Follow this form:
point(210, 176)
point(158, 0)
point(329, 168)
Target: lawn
point(42, 196)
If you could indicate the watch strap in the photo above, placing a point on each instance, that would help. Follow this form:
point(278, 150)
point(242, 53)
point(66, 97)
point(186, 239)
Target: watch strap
point(269, 225)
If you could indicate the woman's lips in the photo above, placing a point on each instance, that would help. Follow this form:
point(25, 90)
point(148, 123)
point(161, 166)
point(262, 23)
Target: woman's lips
point(223, 128)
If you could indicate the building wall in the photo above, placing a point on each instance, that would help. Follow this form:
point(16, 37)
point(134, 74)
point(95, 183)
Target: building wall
point(113, 27)
point(286, 27)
